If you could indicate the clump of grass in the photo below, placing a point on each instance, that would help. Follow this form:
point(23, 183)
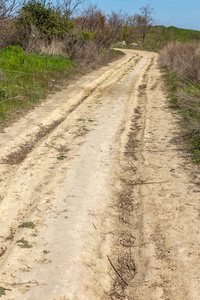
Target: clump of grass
point(2, 291)
point(62, 157)
point(25, 77)
point(22, 243)
point(27, 225)
point(182, 65)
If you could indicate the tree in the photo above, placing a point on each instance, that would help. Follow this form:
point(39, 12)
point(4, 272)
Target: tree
point(46, 18)
point(129, 28)
point(92, 18)
point(145, 20)
point(8, 30)
point(116, 22)
point(69, 7)
point(8, 8)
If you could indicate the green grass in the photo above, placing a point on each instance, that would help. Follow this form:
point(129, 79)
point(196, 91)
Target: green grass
point(116, 53)
point(182, 35)
point(22, 243)
point(26, 77)
point(172, 83)
point(159, 36)
point(27, 225)
point(2, 291)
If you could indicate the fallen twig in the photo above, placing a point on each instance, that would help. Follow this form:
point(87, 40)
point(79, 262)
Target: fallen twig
point(120, 276)
point(155, 182)
point(94, 225)
point(149, 150)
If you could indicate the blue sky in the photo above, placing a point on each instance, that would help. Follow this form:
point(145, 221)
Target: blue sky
point(179, 13)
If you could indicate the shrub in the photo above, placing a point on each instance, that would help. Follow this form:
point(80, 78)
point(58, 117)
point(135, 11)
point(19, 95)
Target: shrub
point(47, 19)
point(183, 59)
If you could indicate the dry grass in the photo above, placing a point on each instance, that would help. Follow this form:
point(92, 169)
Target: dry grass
point(182, 59)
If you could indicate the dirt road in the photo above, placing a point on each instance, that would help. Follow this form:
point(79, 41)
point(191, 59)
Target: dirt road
point(98, 200)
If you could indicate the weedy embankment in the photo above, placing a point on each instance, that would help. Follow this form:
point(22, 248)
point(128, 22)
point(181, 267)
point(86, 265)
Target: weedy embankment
point(182, 65)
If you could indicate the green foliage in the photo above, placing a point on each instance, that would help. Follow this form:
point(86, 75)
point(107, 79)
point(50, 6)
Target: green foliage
point(86, 35)
point(46, 18)
point(27, 77)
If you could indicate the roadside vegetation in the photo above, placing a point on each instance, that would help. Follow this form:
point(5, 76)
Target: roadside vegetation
point(26, 77)
point(42, 44)
point(182, 64)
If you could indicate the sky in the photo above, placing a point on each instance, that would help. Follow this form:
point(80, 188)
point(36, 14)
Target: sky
point(179, 13)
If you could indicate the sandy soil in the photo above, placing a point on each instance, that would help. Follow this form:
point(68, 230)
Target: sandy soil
point(113, 200)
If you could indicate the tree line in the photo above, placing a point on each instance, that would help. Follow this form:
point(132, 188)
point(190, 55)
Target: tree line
point(67, 27)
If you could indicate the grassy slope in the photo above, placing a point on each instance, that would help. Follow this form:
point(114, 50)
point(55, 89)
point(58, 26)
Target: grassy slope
point(159, 36)
point(26, 78)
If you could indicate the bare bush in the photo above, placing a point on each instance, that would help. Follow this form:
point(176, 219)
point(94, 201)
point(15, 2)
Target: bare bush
point(38, 44)
point(93, 20)
point(183, 59)
point(8, 8)
point(144, 21)
point(69, 7)
point(116, 22)
point(8, 30)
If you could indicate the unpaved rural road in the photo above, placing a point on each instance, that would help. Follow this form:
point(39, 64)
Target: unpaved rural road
point(113, 200)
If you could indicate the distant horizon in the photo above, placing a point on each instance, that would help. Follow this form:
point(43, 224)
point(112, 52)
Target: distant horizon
point(182, 14)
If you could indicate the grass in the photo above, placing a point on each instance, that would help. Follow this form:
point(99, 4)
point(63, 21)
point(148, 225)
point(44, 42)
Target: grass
point(182, 35)
point(2, 291)
point(62, 157)
point(22, 243)
point(26, 77)
point(27, 225)
point(159, 36)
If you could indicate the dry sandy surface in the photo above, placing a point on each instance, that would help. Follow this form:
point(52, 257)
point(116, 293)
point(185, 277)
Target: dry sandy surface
point(110, 192)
